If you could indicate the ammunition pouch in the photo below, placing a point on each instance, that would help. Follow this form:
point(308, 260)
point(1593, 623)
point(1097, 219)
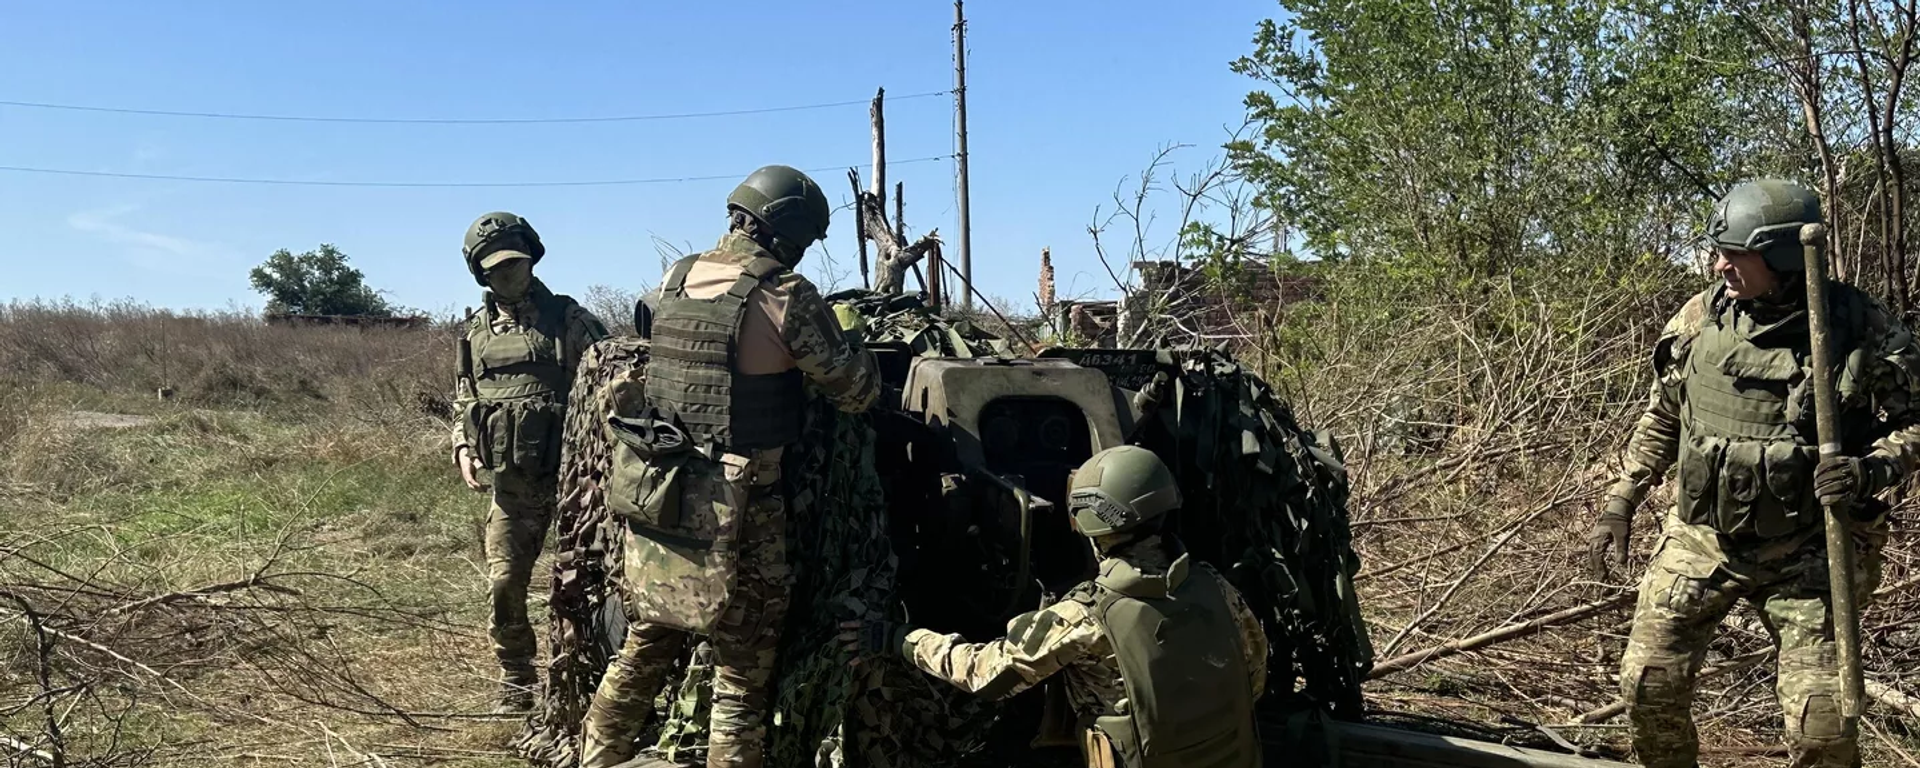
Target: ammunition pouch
point(650, 460)
point(522, 435)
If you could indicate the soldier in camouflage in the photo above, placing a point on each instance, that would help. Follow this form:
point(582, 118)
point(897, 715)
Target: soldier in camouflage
point(736, 334)
point(517, 365)
point(1161, 658)
point(1732, 406)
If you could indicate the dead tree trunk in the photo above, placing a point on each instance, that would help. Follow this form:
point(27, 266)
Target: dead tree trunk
point(892, 255)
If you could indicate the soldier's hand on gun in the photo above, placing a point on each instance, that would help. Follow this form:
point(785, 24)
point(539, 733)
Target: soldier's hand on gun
point(1611, 532)
point(469, 467)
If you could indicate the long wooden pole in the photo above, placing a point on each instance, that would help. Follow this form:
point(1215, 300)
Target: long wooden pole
point(1846, 615)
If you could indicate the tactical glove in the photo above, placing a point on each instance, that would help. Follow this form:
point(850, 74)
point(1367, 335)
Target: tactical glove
point(1612, 530)
point(1844, 482)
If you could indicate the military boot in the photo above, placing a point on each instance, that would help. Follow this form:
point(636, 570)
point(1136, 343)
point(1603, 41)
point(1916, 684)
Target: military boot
point(517, 687)
point(514, 699)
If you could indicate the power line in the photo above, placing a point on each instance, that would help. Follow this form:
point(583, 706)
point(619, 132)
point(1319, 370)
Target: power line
point(451, 120)
point(417, 184)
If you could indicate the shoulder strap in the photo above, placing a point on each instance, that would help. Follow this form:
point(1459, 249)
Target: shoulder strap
point(757, 270)
point(676, 280)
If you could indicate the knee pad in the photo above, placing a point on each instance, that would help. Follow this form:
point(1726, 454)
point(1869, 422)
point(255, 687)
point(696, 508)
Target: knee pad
point(1655, 683)
point(1819, 722)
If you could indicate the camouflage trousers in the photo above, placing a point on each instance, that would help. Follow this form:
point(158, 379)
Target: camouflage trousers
point(517, 521)
point(1694, 581)
point(744, 639)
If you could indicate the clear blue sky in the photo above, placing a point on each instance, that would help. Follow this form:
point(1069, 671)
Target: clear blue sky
point(1066, 97)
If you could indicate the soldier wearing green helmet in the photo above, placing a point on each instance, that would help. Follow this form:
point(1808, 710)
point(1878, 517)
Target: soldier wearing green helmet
point(517, 364)
point(1732, 412)
point(736, 335)
point(1161, 658)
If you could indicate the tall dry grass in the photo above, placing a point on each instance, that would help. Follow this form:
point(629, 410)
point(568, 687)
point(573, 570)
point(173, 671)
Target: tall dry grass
point(223, 359)
point(275, 566)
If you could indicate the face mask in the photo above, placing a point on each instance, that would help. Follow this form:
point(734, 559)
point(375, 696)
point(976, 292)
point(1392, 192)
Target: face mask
point(511, 280)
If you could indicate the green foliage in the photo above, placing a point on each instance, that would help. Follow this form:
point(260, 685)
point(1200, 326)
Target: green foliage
point(316, 283)
point(1482, 133)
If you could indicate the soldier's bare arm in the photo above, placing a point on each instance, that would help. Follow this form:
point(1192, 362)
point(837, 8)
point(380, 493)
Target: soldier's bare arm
point(844, 370)
point(1037, 645)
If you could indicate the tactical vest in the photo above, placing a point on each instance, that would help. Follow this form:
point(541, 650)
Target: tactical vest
point(1748, 440)
point(1188, 699)
point(521, 379)
point(521, 361)
point(691, 372)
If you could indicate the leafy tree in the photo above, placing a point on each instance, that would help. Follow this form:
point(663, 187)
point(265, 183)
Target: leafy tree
point(1482, 136)
point(317, 283)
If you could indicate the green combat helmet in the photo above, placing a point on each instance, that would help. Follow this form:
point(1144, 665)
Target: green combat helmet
point(789, 203)
point(1765, 216)
point(1119, 489)
point(492, 227)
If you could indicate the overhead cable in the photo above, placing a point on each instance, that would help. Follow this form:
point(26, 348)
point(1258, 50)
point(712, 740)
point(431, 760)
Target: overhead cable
point(418, 184)
point(453, 120)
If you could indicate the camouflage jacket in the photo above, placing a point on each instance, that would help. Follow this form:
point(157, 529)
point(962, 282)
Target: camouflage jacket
point(583, 329)
point(1889, 379)
point(787, 325)
point(1064, 638)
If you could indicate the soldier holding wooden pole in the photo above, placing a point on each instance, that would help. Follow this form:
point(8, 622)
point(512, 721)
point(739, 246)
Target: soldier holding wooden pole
point(1784, 407)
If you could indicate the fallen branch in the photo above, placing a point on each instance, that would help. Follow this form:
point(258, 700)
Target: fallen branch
point(256, 581)
point(157, 674)
point(1891, 744)
point(28, 750)
point(1513, 529)
point(365, 757)
point(1501, 635)
point(1894, 699)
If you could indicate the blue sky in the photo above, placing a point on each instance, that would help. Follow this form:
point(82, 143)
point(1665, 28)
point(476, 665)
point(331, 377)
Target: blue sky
point(1066, 98)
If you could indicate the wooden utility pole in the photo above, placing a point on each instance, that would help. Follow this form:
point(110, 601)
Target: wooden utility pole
point(960, 154)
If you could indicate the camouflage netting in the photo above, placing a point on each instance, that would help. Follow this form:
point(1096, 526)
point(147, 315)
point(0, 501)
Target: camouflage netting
point(906, 319)
point(1265, 500)
point(584, 614)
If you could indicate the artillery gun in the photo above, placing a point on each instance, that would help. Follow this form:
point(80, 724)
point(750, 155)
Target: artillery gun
point(944, 505)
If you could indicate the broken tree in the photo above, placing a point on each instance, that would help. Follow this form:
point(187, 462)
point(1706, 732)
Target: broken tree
point(893, 255)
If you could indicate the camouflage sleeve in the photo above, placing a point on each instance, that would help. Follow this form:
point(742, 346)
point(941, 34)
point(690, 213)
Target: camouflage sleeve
point(842, 368)
point(1893, 378)
point(460, 406)
point(1655, 441)
point(461, 402)
point(1253, 639)
point(1037, 645)
point(583, 329)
